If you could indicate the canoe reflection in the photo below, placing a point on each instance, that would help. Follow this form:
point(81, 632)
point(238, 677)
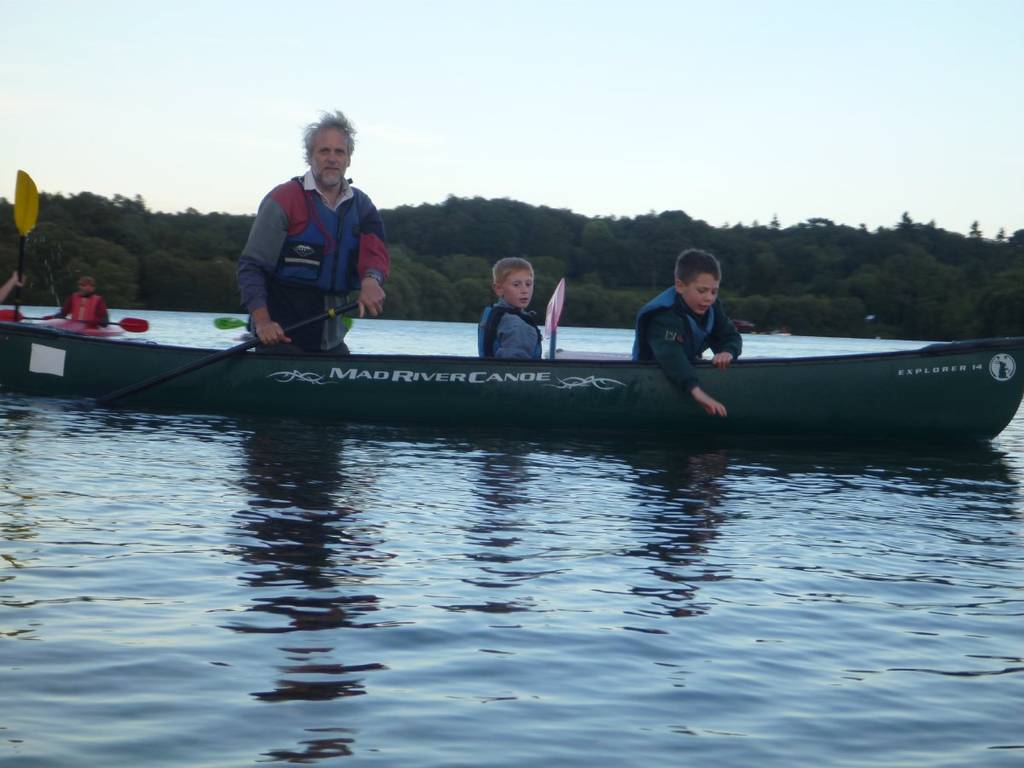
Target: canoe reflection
point(654, 503)
point(310, 554)
point(677, 516)
point(302, 532)
point(502, 533)
point(316, 749)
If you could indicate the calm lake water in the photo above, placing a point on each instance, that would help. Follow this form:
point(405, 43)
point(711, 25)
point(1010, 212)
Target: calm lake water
point(200, 590)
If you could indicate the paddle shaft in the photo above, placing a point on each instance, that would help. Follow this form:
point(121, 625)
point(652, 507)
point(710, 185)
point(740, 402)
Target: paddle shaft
point(132, 324)
point(21, 272)
point(132, 389)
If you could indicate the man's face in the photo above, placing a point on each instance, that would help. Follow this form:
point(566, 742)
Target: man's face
point(330, 158)
point(86, 288)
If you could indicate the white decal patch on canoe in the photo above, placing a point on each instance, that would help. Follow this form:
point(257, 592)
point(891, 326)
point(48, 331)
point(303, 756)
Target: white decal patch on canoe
point(574, 382)
point(1002, 367)
point(46, 360)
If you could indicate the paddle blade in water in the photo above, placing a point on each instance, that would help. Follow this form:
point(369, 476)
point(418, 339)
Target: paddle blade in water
point(228, 323)
point(11, 316)
point(134, 324)
point(26, 203)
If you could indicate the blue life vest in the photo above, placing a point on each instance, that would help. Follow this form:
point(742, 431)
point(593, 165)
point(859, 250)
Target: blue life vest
point(487, 343)
point(325, 252)
point(695, 342)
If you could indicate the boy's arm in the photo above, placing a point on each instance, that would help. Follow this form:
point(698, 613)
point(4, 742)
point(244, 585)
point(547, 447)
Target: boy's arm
point(670, 354)
point(662, 334)
point(724, 336)
point(726, 341)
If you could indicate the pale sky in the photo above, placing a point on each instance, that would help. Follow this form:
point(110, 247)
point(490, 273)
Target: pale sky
point(733, 111)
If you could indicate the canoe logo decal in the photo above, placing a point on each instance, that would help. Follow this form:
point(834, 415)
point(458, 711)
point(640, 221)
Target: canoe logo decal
point(574, 382)
point(1002, 367)
point(305, 376)
point(337, 375)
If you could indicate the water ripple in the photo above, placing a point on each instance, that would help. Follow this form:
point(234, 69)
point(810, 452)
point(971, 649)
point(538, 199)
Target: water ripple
point(243, 591)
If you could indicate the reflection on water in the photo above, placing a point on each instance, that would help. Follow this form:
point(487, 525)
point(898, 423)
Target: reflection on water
point(310, 556)
point(316, 749)
point(501, 531)
point(303, 534)
point(247, 590)
point(677, 496)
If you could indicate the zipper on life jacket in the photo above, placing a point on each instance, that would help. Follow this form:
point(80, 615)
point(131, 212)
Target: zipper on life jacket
point(338, 245)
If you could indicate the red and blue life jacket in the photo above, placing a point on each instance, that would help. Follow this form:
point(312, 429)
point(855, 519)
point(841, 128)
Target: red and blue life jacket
point(321, 249)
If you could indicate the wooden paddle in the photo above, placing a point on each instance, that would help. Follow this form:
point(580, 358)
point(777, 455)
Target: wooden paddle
point(26, 211)
point(133, 324)
point(553, 314)
point(131, 389)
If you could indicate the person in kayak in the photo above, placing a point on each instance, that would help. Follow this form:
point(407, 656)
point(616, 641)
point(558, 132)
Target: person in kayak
point(315, 239)
point(10, 285)
point(675, 327)
point(507, 329)
point(84, 305)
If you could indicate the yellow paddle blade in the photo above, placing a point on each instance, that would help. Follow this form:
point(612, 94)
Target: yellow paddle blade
point(26, 203)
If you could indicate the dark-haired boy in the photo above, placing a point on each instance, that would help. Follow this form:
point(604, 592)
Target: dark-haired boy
point(677, 326)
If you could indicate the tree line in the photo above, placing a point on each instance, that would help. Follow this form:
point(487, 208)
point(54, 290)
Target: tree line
point(911, 280)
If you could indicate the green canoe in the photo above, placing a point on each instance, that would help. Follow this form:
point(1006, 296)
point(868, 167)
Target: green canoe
point(967, 390)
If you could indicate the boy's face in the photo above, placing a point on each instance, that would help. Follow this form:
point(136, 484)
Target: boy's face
point(86, 288)
point(700, 293)
point(516, 289)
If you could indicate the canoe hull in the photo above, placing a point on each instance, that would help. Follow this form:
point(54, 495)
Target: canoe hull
point(960, 391)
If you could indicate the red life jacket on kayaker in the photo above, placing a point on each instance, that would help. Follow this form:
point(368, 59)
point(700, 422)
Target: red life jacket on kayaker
point(88, 309)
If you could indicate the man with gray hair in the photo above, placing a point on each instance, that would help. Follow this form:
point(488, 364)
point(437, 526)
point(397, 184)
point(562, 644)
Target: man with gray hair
point(316, 238)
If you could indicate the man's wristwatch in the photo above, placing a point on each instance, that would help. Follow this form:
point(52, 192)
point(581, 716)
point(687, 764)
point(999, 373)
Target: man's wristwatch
point(375, 275)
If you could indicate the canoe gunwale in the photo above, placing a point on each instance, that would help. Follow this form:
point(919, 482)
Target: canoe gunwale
point(929, 349)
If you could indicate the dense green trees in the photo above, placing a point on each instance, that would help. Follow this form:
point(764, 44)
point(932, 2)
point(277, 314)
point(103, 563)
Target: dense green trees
point(912, 280)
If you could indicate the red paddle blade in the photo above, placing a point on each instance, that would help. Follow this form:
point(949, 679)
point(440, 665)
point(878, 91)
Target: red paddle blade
point(134, 324)
point(554, 310)
point(11, 316)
